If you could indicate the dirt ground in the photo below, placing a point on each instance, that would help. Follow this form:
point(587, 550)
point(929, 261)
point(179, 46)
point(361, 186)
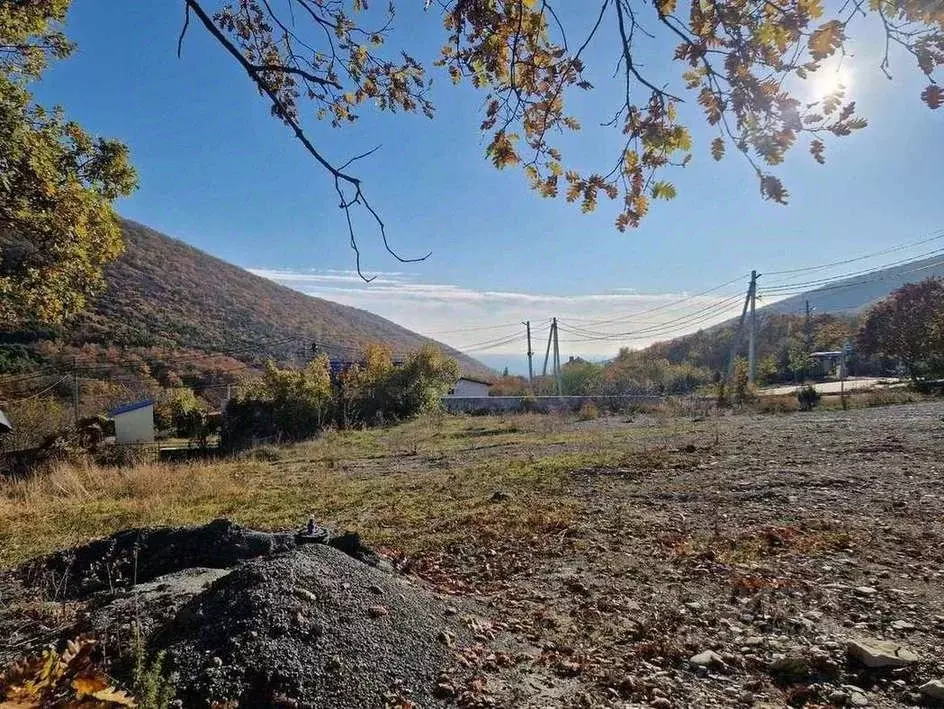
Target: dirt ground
point(771, 541)
point(722, 562)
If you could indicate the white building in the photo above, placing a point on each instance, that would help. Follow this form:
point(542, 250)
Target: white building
point(134, 423)
point(467, 387)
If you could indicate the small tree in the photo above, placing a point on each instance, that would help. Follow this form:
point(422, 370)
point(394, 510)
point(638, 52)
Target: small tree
point(743, 392)
point(178, 408)
point(808, 397)
point(909, 326)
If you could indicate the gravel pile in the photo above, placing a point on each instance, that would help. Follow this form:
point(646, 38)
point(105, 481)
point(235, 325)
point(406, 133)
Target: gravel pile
point(311, 628)
point(250, 619)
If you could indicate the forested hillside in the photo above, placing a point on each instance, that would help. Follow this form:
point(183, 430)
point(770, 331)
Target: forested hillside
point(163, 294)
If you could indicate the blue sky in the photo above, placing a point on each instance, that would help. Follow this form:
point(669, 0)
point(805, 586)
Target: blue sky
point(218, 172)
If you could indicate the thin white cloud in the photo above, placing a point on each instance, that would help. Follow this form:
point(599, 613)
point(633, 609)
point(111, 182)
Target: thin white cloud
point(479, 320)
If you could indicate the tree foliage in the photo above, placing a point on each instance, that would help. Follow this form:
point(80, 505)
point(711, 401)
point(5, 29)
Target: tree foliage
point(57, 182)
point(742, 62)
point(909, 326)
point(292, 404)
point(377, 390)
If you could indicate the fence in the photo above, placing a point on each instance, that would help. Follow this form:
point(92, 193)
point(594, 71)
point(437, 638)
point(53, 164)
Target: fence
point(544, 404)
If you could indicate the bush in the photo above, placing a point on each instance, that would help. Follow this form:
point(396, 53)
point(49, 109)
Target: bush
point(292, 405)
point(808, 398)
point(588, 412)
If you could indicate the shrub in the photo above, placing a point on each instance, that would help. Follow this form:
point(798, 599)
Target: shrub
point(808, 398)
point(588, 412)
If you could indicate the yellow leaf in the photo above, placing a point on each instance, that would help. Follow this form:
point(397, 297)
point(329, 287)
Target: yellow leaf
point(115, 696)
point(826, 39)
point(87, 685)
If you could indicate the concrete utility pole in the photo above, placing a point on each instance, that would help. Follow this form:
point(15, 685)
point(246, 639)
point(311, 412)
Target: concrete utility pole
point(808, 328)
point(752, 337)
point(736, 340)
point(527, 325)
point(547, 353)
point(557, 364)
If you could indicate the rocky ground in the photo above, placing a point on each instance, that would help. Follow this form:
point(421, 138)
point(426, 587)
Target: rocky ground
point(754, 561)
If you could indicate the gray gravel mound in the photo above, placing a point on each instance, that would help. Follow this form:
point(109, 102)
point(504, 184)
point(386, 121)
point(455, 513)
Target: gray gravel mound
point(314, 628)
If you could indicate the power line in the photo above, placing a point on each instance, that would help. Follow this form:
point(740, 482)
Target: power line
point(901, 247)
point(39, 393)
point(633, 316)
point(698, 316)
point(873, 270)
point(504, 326)
point(859, 281)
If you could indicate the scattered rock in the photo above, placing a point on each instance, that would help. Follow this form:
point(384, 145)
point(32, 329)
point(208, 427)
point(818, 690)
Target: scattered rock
point(933, 690)
point(865, 591)
point(500, 496)
point(305, 595)
point(877, 654)
point(377, 611)
point(858, 699)
point(708, 658)
point(660, 703)
point(902, 625)
point(839, 697)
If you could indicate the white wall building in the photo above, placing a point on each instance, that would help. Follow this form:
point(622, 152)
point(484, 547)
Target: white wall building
point(467, 387)
point(134, 423)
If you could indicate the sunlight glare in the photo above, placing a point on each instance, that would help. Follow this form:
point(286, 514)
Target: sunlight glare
point(827, 80)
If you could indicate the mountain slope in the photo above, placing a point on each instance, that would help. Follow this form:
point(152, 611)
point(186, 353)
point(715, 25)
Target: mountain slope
point(165, 293)
point(852, 295)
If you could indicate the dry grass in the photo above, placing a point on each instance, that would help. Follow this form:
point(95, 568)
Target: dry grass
point(412, 488)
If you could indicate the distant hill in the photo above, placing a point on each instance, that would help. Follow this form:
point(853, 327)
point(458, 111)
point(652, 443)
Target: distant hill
point(163, 293)
point(837, 310)
point(853, 295)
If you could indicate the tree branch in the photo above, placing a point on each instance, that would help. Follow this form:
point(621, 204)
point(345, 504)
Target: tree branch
point(284, 113)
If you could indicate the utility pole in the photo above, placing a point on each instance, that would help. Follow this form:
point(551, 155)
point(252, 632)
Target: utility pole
point(736, 340)
point(752, 336)
point(550, 341)
point(808, 328)
point(557, 364)
point(527, 325)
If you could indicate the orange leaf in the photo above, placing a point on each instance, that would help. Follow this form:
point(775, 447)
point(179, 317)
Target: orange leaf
point(933, 96)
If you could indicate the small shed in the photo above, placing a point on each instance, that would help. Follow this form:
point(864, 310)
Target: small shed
point(134, 423)
point(469, 387)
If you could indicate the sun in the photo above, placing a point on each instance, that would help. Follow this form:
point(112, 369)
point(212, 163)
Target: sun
point(828, 80)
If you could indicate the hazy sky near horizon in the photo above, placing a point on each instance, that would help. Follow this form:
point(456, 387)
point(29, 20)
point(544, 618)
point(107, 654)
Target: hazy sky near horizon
point(218, 172)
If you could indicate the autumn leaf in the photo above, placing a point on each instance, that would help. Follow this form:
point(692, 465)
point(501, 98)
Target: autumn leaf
point(717, 148)
point(826, 39)
point(772, 188)
point(816, 150)
point(663, 190)
point(89, 684)
point(933, 95)
point(115, 696)
point(665, 7)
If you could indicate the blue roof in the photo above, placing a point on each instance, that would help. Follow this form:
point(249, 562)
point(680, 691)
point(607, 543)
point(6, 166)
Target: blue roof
point(131, 407)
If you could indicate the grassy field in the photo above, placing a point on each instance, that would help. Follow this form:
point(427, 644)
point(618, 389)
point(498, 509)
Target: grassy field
point(412, 488)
